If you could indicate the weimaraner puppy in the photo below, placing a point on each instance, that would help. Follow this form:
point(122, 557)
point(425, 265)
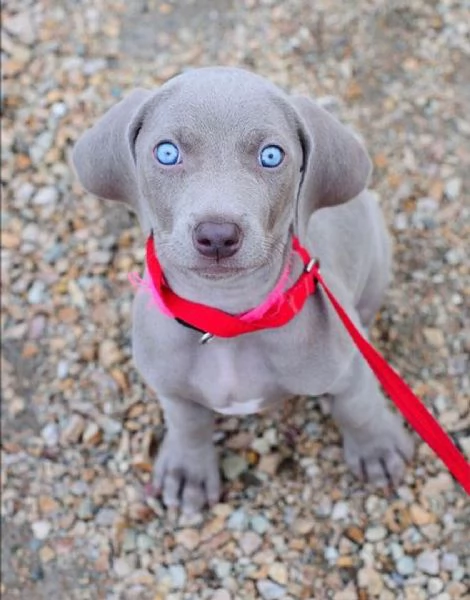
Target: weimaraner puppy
point(222, 168)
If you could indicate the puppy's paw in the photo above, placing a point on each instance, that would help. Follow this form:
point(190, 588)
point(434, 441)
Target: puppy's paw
point(381, 456)
point(187, 478)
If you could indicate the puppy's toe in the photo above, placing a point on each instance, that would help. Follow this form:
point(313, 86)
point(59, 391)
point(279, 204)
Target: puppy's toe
point(380, 458)
point(184, 479)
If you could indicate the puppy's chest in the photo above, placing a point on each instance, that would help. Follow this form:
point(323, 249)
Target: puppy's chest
point(231, 380)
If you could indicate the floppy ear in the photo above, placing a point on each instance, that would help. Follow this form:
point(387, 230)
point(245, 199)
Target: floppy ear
point(103, 156)
point(336, 165)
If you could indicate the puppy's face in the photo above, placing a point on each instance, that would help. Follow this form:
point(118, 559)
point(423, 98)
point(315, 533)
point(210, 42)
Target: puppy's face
point(218, 170)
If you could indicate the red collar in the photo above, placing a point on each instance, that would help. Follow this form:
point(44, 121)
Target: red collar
point(214, 322)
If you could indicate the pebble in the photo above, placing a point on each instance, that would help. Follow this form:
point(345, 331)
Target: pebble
point(122, 567)
point(36, 294)
point(233, 466)
point(369, 579)
point(238, 520)
point(331, 554)
point(259, 524)
point(406, 566)
point(86, 509)
point(340, 511)
point(50, 434)
point(376, 533)
point(428, 562)
point(278, 573)
point(73, 430)
point(221, 594)
point(178, 576)
point(188, 538)
point(435, 585)
point(449, 561)
point(453, 188)
point(41, 529)
point(270, 590)
point(250, 542)
point(222, 568)
point(47, 195)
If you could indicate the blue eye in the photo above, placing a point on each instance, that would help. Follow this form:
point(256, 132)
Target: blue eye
point(271, 156)
point(167, 153)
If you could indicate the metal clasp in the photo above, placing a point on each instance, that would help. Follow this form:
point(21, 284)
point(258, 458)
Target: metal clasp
point(314, 262)
point(206, 338)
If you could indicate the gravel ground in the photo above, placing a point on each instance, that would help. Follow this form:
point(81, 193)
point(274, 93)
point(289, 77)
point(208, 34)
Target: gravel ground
point(79, 427)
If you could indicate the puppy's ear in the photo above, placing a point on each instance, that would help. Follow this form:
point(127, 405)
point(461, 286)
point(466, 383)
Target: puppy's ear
point(336, 165)
point(103, 157)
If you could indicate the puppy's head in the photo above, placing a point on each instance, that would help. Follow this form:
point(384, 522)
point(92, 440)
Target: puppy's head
point(221, 164)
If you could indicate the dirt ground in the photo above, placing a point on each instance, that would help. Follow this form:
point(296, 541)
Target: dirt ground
point(79, 428)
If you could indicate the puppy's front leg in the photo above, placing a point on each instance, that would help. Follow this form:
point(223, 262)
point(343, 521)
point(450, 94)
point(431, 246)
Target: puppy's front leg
point(376, 445)
point(186, 471)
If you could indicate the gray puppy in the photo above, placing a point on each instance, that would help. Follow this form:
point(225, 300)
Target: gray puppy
point(222, 167)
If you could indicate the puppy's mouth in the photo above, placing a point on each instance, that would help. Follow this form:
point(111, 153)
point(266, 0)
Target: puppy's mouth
point(218, 271)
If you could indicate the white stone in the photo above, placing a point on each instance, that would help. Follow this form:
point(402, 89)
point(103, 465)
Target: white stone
point(428, 562)
point(41, 529)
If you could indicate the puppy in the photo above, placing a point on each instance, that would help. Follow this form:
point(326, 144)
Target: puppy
point(223, 169)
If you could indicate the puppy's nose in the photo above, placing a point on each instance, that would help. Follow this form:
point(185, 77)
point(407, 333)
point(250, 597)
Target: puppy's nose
point(217, 240)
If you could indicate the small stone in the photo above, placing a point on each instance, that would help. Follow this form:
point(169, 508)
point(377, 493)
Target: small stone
point(250, 542)
point(453, 188)
point(109, 353)
point(449, 561)
point(36, 294)
point(435, 585)
point(331, 554)
point(270, 590)
point(21, 26)
point(260, 524)
point(435, 486)
point(62, 369)
point(92, 435)
point(401, 221)
point(47, 504)
point(340, 511)
point(428, 562)
point(355, 534)
point(50, 434)
point(405, 566)
point(86, 510)
point(73, 431)
point(46, 554)
point(303, 526)
point(419, 516)
point(221, 594)
point(434, 337)
point(122, 567)
point(278, 573)
point(233, 466)
point(238, 520)
point(46, 195)
point(178, 576)
point(269, 463)
point(375, 534)
point(41, 529)
point(144, 542)
point(222, 568)
point(189, 538)
point(371, 580)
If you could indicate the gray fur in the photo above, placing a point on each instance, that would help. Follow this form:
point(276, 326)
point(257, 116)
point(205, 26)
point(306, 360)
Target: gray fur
point(221, 117)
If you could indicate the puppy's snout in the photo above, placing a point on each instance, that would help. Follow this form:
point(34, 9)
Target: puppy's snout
point(217, 240)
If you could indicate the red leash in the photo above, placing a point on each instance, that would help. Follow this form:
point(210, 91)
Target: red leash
point(213, 322)
point(405, 400)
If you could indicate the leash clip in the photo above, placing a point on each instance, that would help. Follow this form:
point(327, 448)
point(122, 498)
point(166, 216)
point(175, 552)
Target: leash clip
point(313, 262)
point(206, 338)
